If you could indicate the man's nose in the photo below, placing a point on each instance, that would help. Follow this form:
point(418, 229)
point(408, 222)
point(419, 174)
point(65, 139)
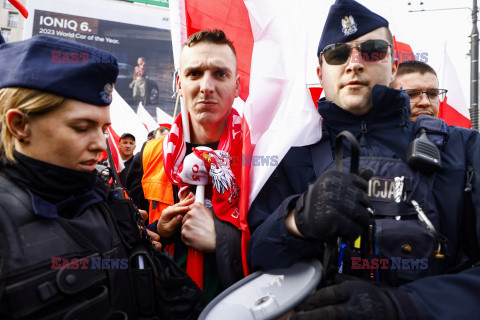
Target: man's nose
point(424, 101)
point(355, 62)
point(207, 84)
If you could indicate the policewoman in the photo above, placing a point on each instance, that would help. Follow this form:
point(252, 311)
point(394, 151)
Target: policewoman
point(63, 253)
point(415, 209)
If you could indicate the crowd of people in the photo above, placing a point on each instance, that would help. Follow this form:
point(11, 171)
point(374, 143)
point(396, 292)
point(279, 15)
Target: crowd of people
point(168, 238)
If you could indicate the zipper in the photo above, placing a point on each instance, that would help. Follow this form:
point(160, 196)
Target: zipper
point(363, 139)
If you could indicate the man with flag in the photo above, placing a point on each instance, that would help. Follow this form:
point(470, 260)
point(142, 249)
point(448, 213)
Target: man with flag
point(420, 82)
point(166, 171)
point(419, 213)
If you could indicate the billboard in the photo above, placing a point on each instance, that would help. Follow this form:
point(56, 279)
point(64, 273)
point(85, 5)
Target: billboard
point(127, 41)
point(161, 3)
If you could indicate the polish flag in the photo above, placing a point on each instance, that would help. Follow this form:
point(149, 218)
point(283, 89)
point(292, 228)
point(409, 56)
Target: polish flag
point(145, 117)
point(163, 118)
point(403, 51)
point(316, 93)
point(271, 44)
point(113, 139)
point(454, 109)
point(124, 120)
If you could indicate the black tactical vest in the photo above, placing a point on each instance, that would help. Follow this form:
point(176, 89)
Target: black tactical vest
point(60, 268)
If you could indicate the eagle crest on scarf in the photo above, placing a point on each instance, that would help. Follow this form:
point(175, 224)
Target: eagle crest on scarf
point(222, 176)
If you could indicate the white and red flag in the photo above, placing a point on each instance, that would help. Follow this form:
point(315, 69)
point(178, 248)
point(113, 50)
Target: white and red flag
point(278, 112)
point(163, 118)
point(124, 120)
point(454, 109)
point(145, 117)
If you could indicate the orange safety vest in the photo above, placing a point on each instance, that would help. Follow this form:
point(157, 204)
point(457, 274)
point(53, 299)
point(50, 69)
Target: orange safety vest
point(157, 188)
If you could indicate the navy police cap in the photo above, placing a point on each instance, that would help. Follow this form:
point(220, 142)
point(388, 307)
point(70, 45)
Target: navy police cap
point(61, 67)
point(348, 20)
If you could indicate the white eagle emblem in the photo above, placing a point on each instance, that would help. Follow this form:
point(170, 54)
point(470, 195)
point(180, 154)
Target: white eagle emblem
point(349, 26)
point(222, 176)
point(107, 93)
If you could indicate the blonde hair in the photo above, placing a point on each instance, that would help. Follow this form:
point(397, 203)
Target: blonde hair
point(29, 101)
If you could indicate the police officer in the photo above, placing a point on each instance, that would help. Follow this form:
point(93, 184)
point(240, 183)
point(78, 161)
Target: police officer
point(67, 250)
point(412, 219)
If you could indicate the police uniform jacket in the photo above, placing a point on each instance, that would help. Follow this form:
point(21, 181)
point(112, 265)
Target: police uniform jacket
point(385, 131)
point(46, 244)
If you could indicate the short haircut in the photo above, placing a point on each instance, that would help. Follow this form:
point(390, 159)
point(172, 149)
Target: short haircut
point(215, 36)
point(413, 66)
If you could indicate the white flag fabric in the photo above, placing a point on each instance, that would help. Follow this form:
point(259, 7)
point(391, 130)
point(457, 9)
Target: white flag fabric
point(163, 117)
point(279, 109)
point(146, 118)
point(124, 120)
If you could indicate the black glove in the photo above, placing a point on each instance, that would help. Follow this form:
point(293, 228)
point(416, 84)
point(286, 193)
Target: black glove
point(334, 206)
point(356, 299)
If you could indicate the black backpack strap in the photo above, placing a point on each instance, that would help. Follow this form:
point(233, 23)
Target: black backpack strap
point(321, 152)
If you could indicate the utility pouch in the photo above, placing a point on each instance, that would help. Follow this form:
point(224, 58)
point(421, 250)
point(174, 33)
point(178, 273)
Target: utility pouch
point(126, 217)
point(60, 294)
point(408, 245)
point(142, 281)
point(179, 295)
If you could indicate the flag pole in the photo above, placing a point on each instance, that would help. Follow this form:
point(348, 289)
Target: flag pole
point(474, 69)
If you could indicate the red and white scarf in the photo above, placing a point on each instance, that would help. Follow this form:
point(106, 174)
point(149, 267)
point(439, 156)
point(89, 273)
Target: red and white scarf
point(222, 167)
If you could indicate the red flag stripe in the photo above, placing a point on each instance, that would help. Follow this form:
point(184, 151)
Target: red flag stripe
point(452, 117)
point(232, 17)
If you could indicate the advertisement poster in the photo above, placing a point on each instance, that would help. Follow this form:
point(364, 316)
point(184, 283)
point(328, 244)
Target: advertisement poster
point(129, 43)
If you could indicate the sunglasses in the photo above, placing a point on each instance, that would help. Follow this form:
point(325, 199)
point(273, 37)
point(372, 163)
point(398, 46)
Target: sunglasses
point(370, 50)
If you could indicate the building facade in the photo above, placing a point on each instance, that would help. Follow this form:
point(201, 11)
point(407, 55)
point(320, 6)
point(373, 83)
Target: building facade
point(11, 21)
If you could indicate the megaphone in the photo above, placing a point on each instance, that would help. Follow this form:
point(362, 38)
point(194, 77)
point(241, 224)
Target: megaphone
point(265, 295)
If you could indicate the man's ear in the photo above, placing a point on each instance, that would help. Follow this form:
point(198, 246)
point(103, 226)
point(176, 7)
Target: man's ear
point(179, 85)
point(394, 71)
point(238, 88)
point(319, 75)
point(18, 124)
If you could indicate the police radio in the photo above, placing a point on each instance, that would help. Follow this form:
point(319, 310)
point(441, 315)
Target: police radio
point(423, 155)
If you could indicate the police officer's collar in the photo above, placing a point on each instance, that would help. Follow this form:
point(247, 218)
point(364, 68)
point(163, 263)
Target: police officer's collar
point(391, 107)
point(53, 188)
